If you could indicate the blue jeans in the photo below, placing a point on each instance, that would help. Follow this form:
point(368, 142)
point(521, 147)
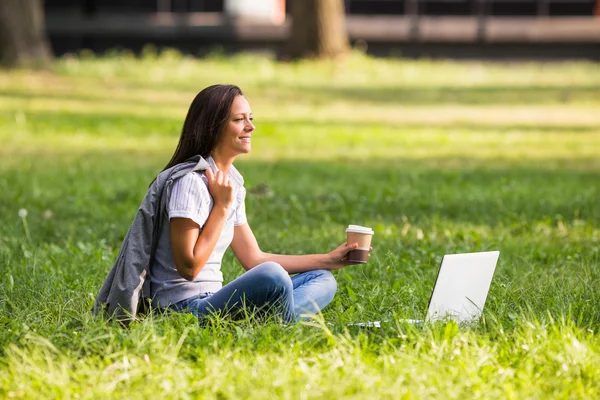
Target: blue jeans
point(267, 288)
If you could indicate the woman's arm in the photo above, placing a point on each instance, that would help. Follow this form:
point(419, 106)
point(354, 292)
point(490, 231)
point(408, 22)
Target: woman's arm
point(191, 248)
point(249, 254)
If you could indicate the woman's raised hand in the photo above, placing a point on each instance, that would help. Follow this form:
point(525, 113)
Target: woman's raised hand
point(220, 188)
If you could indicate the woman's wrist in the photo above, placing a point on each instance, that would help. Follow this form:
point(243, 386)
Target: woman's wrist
point(220, 209)
point(327, 260)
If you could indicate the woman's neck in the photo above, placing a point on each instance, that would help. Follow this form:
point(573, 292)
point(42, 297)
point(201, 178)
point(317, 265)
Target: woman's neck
point(221, 161)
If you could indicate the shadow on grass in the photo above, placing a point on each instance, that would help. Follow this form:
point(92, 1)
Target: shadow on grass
point(96, 97)
point(442, 95)
point(458, 191)
point(117, 124)
point(95, 123)
point(97, 195)
point(400, 95)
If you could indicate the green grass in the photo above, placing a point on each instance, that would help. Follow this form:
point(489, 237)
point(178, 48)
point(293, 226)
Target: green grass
point(438, 157)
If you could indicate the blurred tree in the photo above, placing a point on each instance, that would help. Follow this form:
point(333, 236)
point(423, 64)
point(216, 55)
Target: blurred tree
point(318, 29)
point(23, 39)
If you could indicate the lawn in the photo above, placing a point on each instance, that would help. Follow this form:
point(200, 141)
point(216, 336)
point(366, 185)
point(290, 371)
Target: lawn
point(437, 157)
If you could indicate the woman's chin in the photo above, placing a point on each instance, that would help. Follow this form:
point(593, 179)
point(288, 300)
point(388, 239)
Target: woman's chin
point(238, 150)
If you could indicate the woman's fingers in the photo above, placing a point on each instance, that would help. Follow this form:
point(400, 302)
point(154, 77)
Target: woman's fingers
point(220, 178)
point(209, 175)
point(220, 187)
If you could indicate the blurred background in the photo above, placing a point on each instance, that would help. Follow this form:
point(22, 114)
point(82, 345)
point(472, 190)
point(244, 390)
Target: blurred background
point(505, 29)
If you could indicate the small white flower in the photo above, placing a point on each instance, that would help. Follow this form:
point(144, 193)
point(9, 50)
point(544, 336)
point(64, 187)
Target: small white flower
point(48, 214)
point(22, 212)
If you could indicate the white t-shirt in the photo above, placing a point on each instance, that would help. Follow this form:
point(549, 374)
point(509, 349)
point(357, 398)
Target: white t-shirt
point(189, 198)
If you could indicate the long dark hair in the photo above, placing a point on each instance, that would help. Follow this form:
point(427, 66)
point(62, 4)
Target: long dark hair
point(204, 122)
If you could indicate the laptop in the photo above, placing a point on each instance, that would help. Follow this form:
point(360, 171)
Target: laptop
point(460, 289)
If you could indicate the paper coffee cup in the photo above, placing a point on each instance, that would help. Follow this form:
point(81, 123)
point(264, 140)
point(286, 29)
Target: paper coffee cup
point(361, 235)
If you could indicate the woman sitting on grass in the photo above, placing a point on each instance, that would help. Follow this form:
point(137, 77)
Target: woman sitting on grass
point(206, 214)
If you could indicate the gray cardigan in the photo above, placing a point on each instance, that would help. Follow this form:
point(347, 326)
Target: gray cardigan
point(128, 280)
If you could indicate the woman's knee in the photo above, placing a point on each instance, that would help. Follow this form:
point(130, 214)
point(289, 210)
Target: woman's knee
point(273, 273)
point(327, 280)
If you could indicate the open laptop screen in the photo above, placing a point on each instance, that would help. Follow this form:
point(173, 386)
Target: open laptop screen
point(462, 286)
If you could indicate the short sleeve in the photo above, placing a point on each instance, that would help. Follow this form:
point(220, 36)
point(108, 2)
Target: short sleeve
point(240, 211)
point(189, 198)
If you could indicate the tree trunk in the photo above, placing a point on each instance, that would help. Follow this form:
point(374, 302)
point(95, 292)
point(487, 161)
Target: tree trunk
point(318, 29)
point(23, 38)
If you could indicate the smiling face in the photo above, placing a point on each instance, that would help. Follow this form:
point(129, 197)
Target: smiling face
point(236, 135)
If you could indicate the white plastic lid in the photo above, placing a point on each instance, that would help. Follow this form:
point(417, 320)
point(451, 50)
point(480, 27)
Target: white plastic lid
point(360, 229)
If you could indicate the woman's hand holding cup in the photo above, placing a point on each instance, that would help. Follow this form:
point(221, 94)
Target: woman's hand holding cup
point(343, 255)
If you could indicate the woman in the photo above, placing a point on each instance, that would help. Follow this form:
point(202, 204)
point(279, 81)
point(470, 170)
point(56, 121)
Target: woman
point(206, 214)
